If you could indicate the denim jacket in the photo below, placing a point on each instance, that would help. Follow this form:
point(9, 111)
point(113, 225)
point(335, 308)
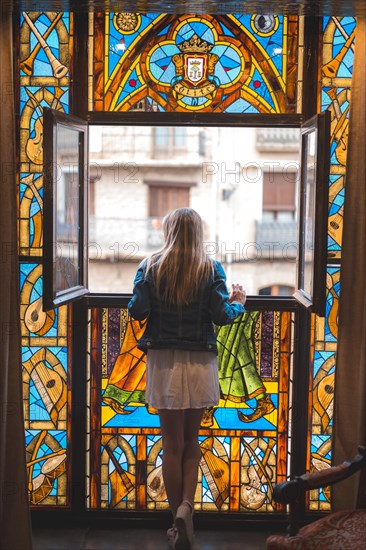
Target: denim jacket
point(189, 327)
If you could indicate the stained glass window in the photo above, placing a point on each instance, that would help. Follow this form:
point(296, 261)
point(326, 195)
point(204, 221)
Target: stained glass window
point(45, 53)
point(325, 333)
point(45, 390)
point(164, 62)
point(225, 63)
point(46, 42)
point(337, 64)
point(245, 443)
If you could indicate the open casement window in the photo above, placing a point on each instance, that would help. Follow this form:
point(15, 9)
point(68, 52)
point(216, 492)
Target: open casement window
point(313, 213)
point(65, 208)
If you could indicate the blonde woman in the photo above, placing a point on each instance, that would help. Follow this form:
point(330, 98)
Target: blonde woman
point(182, 293)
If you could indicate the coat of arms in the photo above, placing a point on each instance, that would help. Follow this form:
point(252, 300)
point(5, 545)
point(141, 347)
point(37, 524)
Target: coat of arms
point(195, 70)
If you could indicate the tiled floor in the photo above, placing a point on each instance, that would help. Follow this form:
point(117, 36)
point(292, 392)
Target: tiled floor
point(142, 539)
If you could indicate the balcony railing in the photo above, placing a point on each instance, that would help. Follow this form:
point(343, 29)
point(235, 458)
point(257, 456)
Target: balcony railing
point(277, 139)
point(277, 239)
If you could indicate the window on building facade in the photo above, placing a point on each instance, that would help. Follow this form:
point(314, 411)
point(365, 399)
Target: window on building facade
point(168, 141)
point(279, 195)
point(276, 290)
point(164, 199)
point(161, 200)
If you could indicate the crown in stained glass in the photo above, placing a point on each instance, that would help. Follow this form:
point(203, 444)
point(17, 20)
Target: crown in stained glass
point(195, 45)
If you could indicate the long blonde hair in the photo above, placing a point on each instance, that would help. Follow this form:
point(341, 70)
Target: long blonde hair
point(182, 264)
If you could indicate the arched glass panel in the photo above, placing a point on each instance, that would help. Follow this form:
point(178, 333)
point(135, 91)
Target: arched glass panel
point(224, 63)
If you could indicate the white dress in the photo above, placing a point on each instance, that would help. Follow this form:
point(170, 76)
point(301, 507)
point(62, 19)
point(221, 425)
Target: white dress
point(181, 379)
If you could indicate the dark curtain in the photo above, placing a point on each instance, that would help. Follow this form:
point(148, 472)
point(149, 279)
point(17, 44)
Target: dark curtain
point(350, 385)
point(15, 528)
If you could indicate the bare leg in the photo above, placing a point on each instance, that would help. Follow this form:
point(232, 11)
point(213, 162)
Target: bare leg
point(181, 454)
point(184, 538)
point(191, 453)
point(172, 430)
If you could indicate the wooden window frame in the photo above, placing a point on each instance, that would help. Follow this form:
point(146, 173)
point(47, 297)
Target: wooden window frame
point(54, 295)
point(314, 300)
point(311, 284)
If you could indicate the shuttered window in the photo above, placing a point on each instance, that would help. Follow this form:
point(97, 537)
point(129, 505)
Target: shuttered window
point(279, 193)
point(164, 199)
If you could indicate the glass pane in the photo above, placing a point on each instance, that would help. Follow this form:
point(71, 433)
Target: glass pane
point(133, 189)
point(67, 209)
point(321, 401)
point(46, 399)
point(44, 78)
point(161, 137)
point(309, 174)
point(244, 441)
point(231, 63)
point(179, 137)
point(44, 75)
point(337, 66)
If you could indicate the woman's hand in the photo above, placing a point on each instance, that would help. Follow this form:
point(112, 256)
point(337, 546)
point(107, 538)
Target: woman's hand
point(237, 294)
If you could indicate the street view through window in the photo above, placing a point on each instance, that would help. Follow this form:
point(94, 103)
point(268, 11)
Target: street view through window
point(242, 181)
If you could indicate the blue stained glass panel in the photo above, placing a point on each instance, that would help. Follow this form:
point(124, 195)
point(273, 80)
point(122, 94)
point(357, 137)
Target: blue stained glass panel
point(194, 62)
point(46, 462)
point(332, 305)
point(52, 373)
point(241, 106)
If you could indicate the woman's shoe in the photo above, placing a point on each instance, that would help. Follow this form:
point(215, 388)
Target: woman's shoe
point(184, 525)
point(171, 535)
